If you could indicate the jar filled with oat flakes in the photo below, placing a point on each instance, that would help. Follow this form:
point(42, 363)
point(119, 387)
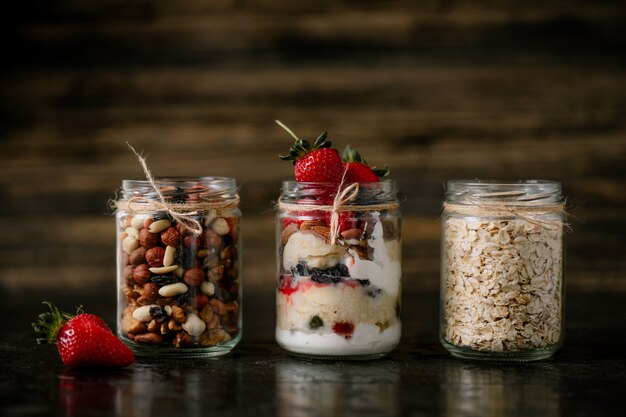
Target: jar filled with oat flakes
point(178, 266)
point(502, 281)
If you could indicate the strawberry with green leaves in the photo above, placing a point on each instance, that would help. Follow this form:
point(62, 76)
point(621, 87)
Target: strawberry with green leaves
point(314, 163)
point(357, 169)
point(83, 340)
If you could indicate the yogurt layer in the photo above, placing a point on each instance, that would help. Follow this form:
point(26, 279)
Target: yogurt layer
point(366, 340)
point(340, 302)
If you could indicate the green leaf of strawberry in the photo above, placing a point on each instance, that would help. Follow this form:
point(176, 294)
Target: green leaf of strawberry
point(314, 163)
point(83, 340)
point(357, 169)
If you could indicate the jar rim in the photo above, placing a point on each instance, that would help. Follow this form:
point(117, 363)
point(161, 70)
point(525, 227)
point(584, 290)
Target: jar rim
point(369, 192)
point(523, 191)
point(209, 186)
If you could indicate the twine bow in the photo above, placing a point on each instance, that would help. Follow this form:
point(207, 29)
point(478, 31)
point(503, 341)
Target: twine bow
point(183, 217)
point(342, 198)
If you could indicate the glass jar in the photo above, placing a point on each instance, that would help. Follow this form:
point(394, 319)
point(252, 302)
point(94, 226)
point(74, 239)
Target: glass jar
point(502, 281)
point(338, 294)
point(178, 266)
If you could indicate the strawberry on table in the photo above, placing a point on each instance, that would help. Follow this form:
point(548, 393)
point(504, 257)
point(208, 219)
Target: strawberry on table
point(83, 340)
point(357, 169)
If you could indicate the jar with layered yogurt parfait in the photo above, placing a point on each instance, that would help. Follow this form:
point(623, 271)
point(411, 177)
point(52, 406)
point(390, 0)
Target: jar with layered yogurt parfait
point(338, 294)
point(178, 266)
point(502, 280)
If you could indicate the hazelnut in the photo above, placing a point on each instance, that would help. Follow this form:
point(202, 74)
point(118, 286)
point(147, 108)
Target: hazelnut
point(148, 240)
point(200, 300)
point(212, 239)
point(151, 290)
point(228, 252)
point(194, 276)
point(142, 274)
point(127, 273)
point(191, 242)
point(138, 256)
point(154, 256)
point(232, 272)
point(182, 339)
point(170, 237)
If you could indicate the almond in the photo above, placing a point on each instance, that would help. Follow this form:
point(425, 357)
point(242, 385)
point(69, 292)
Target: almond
point(308, 224)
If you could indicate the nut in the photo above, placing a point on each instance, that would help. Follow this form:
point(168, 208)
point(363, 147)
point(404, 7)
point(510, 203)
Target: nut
point(231, 307)
point(354, 233)
point(206, 313)
point(232, 272)
point(194, 326)
point(191, 241)
point(138, 256)
point(308, 224)
point(194, 276)
point(151, 338)
point(174, 326)
point(200, 300)
point(142, 274)
point(220, 226)
point(159, 225)
point(182, 339)
point(172, 290)
point(212, 239)
point(207, 288)
point(178, 314)
point(137, 222)
point(215, 321)
point(153, 326)
point(218, 307)
point(212, 337)
point(147, 239)
point(129, 244)
point(164, 329)
point(127, 273)
point(169, 256)
point(154, 256)
point(215, 274)
point(132, 232)
point(228, 252)
point(132, 325)
point(150, 290)
point(170, 237)
point(321, 232)
point(142, 313)
point(163, 269)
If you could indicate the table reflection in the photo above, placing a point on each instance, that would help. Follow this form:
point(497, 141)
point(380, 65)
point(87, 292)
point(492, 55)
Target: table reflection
point(319, 388)
point(500, 390)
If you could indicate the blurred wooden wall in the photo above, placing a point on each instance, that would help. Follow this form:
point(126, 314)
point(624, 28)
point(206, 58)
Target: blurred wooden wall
point(435, 89)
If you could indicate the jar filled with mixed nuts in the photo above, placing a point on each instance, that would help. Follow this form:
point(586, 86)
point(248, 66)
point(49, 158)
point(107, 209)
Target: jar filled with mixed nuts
point(338, 294)
point(179, 284)
point(502, 281)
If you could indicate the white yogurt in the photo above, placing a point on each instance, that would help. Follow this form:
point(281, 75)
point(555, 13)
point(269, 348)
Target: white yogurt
point(366, 340)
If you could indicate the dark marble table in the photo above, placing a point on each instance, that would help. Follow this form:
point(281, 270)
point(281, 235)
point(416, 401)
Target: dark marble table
point(586, 378)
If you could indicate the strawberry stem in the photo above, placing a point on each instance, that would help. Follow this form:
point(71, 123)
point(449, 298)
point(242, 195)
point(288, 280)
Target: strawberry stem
point(49, 323)
point(281, 124)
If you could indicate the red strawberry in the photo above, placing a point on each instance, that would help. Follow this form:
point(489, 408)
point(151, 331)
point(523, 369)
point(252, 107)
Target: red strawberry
point(314, 163)
point(83, 340)
point(357, 169)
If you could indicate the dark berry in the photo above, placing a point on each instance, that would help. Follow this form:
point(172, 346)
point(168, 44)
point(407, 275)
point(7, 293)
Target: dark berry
point(316, 322)
point(158, 314)
point(164, 279)
point(363, 282)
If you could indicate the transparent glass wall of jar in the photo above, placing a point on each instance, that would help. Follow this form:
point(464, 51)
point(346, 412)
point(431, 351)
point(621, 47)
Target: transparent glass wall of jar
point(502, 272)
point(179, 289)
point(338, 300)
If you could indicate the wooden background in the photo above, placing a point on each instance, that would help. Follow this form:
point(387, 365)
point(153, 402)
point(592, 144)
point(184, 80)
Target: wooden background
point(435, 89)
